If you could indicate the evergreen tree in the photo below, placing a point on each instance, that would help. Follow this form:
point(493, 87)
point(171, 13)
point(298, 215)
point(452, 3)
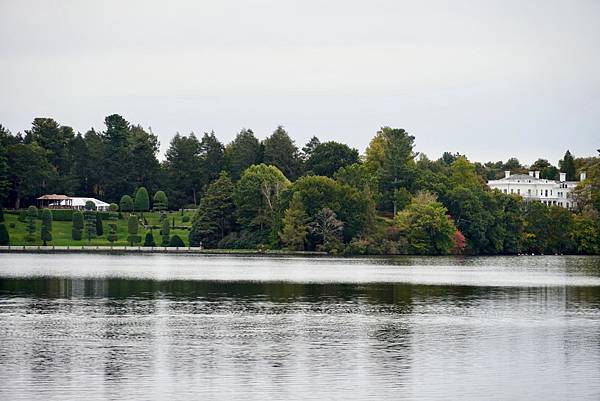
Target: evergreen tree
point(567, 165)
point(176, 241)
point(214, 218)
point(244, 151)
point(327, 158)
point(149, 239)
point(295, 228)
point(161, 202)
point(32, 214)
point(142, 200)
point(4, 236)
point(212, 158)
point(76, 231)
point(281, 152)
point(183, 170)
point(309, 148)
point(46, 234)
point(126, 203)
point(132, 230)
point(99, 225)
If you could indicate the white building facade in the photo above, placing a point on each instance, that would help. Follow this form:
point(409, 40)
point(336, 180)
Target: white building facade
point(531, 187)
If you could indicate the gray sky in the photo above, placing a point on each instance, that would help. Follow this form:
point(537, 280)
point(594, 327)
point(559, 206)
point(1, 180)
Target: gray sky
point(490, 79)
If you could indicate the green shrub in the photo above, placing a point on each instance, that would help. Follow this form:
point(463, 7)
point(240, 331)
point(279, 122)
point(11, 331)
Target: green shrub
point(185, 219)
point(149, 240)
point(176, 241)
point(4, 237)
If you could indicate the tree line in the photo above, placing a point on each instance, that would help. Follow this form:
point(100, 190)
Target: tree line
point(325, 196)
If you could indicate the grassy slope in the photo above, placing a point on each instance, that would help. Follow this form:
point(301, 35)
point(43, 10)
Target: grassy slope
point(61, 231)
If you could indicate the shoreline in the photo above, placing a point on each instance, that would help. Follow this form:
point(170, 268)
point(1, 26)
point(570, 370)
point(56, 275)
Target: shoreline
point(150, 250)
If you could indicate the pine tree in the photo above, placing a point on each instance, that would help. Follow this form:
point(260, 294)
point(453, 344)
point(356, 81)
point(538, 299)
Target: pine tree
point(295, 228)
point(567, 165)
point(214, 218)
point(46, 234)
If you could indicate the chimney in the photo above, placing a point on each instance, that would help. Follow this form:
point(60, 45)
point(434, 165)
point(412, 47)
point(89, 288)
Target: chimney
point(531, 173)
point(563, 177)
point(582, 176)
point(537, 174)
point(506, 174)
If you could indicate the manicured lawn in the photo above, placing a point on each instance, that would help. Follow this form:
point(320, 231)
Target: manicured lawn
point(61, 230)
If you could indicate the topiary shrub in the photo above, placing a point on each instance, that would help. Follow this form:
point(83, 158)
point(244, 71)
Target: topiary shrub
point(176, 241)
point(149, 239)
point(4, 237)
point(185, 219)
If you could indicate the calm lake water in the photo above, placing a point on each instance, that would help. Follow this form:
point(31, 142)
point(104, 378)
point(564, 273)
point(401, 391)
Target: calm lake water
point(91, 327)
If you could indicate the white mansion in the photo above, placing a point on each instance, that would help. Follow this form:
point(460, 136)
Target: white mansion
point(532, 187)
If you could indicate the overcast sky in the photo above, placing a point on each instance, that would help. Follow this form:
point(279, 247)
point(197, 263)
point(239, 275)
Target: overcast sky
point(489, 79)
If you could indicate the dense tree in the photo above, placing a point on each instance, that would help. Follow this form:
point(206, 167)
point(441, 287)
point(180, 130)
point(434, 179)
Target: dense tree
point(327, 228)
point(352, 207)
point(567, 165)
point(244, 151)
point(426, 226)
point(560, 230)
point(183, 169)
point(586, 231)
point(281, 152)
point(29, 171)
point(547, 171)
point(144, 166)
point(536, 227)
point(214, 218)
point(212, 158)
point(328, 157)
point(309, 148)
point(256, 195)
point(46, 234)
point(294, 226)
point(390, 156)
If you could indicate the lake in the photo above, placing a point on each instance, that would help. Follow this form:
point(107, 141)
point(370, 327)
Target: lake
point(77, 326)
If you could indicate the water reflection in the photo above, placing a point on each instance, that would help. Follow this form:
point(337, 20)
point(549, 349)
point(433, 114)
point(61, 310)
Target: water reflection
point(69, 337)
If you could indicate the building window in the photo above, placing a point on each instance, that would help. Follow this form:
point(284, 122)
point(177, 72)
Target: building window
point(512, 191)
point(546, 193)
point(519, 191)
point(505, 191)
point(529, 192)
